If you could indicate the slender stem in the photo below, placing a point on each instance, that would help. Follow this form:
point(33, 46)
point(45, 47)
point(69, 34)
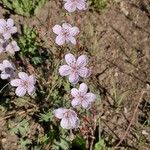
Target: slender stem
point(4, 87)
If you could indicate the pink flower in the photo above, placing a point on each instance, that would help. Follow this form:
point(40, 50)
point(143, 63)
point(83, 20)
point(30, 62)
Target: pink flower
point(72, 5)
point(12, 47)
point(81, 97)
point(7, 70)
point(65, 33)
point(7, 28)
point(75, 68)
point(69, 119)
point(25, 84)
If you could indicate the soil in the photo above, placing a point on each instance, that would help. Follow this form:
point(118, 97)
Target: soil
point(118, 40)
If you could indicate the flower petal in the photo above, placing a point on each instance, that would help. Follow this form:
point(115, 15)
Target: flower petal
point(15, 82)
point(81, 5)
point(23, 76)
point(90, 97)
point(60, 40)
point(75, 102)
point(72, 40)
point(84, 72)
point(31, 89)
point(83, 88)
point(7, 35)
point(32, 79)
point(2, 25)
point(13, 30)
point(59, 113)
point(74, 78)
point(4, 75)
point(69, 7)
point(20, 91)
point(70, 59)
point(2, 67)
point(10, 22)
point(82, 61)
point(66, 26)
point(74, 31)
point(74, 92)
point(70, 123)
point(64, 70)
point(86, 104)
point(57, 29)
point(7, 64)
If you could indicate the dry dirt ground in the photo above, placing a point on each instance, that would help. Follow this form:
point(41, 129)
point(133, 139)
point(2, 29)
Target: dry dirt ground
point(118, 39)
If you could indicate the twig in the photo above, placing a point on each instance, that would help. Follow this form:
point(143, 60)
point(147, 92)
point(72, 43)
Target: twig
point(135, 111)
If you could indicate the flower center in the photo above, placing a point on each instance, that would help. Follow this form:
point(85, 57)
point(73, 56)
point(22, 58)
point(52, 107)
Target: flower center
point(6, 28)
point(9, 70)
point(65, 32)
point(74, 68)
point(25, 84)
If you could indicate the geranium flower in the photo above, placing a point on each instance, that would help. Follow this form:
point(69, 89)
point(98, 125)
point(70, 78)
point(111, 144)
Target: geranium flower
point(72, 5)
point(25, 84)
point(69, 119)
point(81, 97)
point(7, 28)
point(65, 33)
point(12, 47)
point(7, 70)
point(75, 68)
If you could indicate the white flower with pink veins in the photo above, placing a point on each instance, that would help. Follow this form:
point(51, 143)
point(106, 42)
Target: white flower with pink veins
point(82, 97)
point(12, 47)
point(75, 68)
point(25, 84)
point(7, 28)
point(7, 70)
point(69, 119)
point(65, 33)
point(73, 5)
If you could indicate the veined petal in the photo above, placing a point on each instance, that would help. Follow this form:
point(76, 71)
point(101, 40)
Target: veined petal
point(6, 35)
point(32, 79)
point(10, 22)
point(2, 25)
point(69, 123)
point(82, 61)
point(13, 30)
point(81, 5)
point(74, 92)
point(86, 104)
point(84, 72)
point(75, 102)
point(4, 75)
point(74, 31)
point(70, 59)
point(2, 67)
point(20, 91)
point(57, 29)
point(74, 78)
point(31, 89)
point(59, 113)
point(70, 7)
point(83, 88)
point(65, 70)
point(60, 40)
point(72, 40)
point(90, 97)
point(7, 64)
point(15, 82)
point(66, 26)
point(23, 75)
